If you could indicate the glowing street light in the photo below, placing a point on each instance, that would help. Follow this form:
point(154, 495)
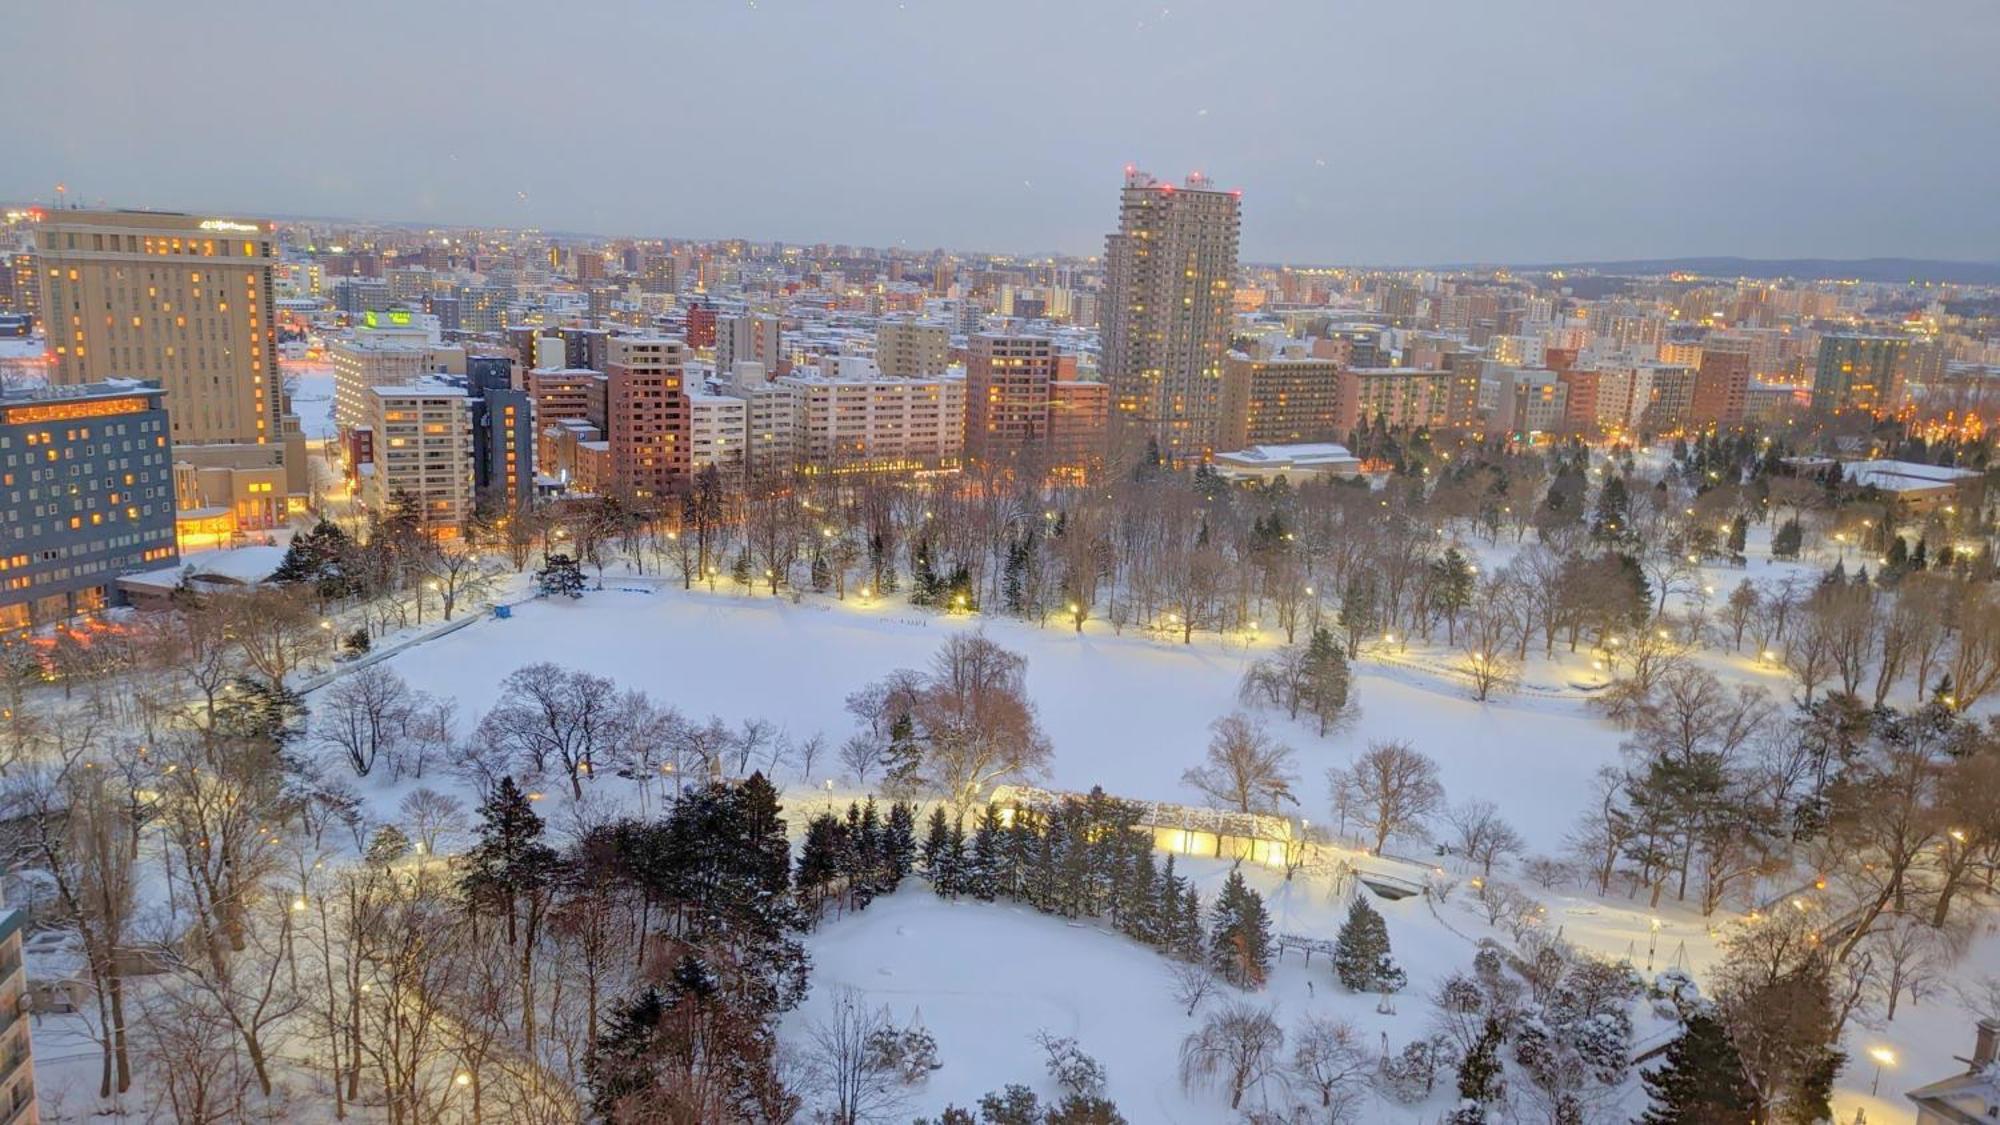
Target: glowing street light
point(1883, 1056)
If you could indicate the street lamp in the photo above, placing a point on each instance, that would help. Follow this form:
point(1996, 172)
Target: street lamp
point(1883, 1056)
point(332, 643)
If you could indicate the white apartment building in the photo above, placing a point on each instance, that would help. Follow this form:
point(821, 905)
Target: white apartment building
point(857, 418)
point(17, 1055)
point(718, 432)
point(422, 440)
point(771, 419)
point(385, 357)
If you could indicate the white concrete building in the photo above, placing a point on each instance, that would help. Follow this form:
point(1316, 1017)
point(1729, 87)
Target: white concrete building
point(718, 432)
point(376, 357)
point(1296, 463)
point(857, 418)
point(772, 420)
point(422, 438)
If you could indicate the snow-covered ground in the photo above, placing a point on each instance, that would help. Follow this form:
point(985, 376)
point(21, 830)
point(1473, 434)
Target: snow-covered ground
point(311, 387)
point(984, 978)
point(1128, 712)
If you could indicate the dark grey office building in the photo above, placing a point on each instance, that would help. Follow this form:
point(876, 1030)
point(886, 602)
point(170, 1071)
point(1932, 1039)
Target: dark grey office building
point(503, 434)
point(86, 494)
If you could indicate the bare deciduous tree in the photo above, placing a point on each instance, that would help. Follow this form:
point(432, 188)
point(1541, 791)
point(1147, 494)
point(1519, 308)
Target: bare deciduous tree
point(1396, 789)
point(1481, 835)
point(550, 713)
point(1235, 1047)
point(844, 1061)
point(1190, 983)
point(1332, 1061)
point(363, 716)
point(1246, 770)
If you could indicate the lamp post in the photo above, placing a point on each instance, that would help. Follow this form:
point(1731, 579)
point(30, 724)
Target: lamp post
point(332, 642)
point(1883, 1056)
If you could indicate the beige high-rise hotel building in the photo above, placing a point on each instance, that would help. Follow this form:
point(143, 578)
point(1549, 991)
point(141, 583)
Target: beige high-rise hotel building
point(184, 299)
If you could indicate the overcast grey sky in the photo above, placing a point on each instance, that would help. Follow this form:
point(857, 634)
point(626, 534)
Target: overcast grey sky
point(1378, 131)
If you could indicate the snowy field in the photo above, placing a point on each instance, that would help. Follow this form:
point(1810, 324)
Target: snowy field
point(985, 977)
point(311, 386)
point(1129, 713)
point(1125, 712)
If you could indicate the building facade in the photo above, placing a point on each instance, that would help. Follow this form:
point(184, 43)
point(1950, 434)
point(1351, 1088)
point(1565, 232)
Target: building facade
point(17, 1054)
point(1721, 384)
point(1406, 397)
point(382, 357)
point(912, 349)
point(718, 433)
point(1856, 372)
point(87, 475)
point(560, 394)
point(1169, 286)
point(180, 299)
point(423, 455)
point(1022, 398)
point(750, 336)
point(646, 415)
point(1279, 401)
point(860, 422)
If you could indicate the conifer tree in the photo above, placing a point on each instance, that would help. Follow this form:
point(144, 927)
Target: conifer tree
point(560, 577)
point(1702, 1080)
point(904, 756)
point(1327, 678)
point(822, 859)
point(899, 844)
point(1138, 895)
point(956, 857)
point(1240, 938)
point(937, 843)
point(1188, 944)
point(1361, 958)
point(982, 865)
point(1480, 1071)
point(1786, 542)
point(510, 861)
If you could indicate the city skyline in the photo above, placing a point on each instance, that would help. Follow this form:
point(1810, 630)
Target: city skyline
point(1443, 136)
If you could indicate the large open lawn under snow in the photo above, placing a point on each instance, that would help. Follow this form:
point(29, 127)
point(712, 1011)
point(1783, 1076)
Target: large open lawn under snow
point(1128, 712)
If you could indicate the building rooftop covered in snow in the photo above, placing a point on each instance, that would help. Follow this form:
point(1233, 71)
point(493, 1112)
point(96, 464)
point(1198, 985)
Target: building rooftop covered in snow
point(1971, 1098)
point(1912, 485)
point(1296, 463)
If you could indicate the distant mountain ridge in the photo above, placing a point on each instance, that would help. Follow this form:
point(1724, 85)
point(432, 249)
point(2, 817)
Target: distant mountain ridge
point(1891, 270)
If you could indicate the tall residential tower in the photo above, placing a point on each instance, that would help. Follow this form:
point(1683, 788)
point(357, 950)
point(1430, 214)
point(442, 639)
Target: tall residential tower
point(1170, 286)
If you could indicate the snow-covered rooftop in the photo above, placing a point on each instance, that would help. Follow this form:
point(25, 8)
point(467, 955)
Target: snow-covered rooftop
point(240, 566)
point(1304, 455)
point(1904, 476)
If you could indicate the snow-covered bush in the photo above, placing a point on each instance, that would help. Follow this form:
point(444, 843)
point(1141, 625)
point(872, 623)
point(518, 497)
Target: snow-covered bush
point(1073, 1070)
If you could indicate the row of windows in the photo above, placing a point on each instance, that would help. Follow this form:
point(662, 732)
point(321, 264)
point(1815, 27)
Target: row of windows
point(78, 502)
point(100, 242)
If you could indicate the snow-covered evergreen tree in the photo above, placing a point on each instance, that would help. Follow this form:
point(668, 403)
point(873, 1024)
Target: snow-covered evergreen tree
point(899, 844)
point(560, 576)
point(1240, 936)
point(1361, 955)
